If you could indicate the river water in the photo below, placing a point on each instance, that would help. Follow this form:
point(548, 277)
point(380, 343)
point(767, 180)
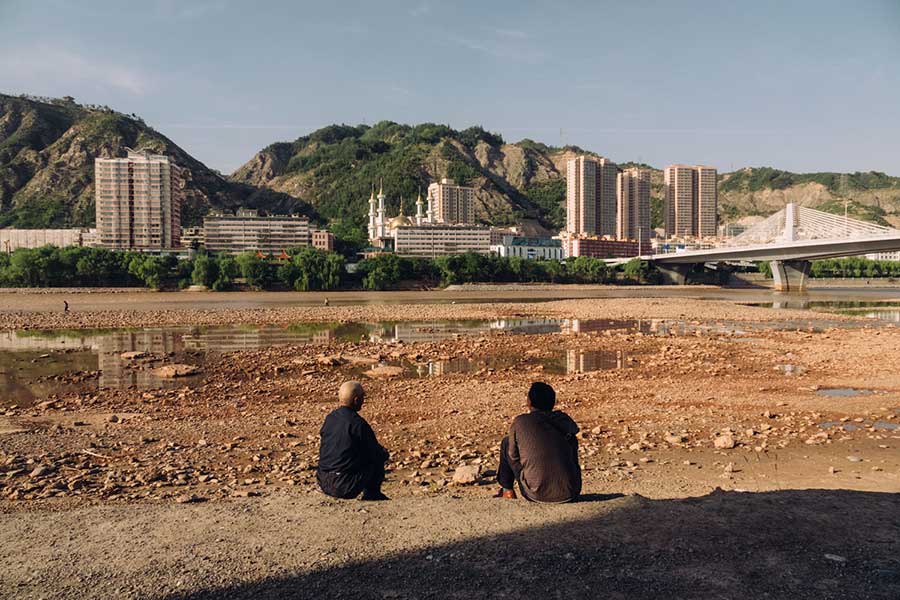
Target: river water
point(38, 365)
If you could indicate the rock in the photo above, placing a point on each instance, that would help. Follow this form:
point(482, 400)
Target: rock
point(112, 419)
point(39, 471)
point(384, 371)
point(175, 370)
point(133, 355)
point(466, 474)
point(836, 558)
point(330, 361)
point(724, 442)
point(854, 458)
point(189, 499)
point(675, 438)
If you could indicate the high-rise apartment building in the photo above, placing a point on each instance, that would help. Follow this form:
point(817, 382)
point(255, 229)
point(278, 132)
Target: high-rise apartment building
point(633, 214)
point(707, 202)
point(692, 201)
point(591, 196)
point(137, 202)
point(452, 204)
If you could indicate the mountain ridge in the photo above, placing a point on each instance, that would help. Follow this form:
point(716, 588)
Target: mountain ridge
point(47, 147)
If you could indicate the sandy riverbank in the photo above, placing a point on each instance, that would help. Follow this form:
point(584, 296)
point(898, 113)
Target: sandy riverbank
point(105, 492)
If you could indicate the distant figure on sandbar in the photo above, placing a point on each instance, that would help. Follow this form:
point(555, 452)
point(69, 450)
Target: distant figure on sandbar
point(326, 301)
point(351, 461)
point(540, 452)
point(65, 306)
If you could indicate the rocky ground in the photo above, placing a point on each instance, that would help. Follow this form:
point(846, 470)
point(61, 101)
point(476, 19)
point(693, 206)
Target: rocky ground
point(208, 488)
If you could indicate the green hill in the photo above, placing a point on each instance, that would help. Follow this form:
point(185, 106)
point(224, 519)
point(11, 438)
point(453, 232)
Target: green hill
point(334, 168)
point(47, 148)
point(47, 151)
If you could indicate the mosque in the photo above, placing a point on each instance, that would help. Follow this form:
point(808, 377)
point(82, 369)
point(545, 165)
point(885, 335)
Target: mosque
point(379, 225)
point(442, 224)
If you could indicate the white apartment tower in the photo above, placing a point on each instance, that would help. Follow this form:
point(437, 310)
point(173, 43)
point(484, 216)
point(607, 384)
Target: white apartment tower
point(692, 201)
point(591, 197)
point(137, 202)
point(633, 213)
point(452, 204)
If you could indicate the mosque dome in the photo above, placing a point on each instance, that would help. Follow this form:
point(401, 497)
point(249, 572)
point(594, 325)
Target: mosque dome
point(400, 220)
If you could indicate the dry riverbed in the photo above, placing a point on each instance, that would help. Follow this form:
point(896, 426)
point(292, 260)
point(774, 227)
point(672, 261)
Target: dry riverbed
point(209, 489)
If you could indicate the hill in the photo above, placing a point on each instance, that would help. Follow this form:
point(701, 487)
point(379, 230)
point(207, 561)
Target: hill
point(47, 147)
point(334, 169)
point(870, 196)
point(47, 151)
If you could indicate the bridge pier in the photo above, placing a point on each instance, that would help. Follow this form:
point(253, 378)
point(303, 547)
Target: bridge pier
point(790, 275)
point(674, 274)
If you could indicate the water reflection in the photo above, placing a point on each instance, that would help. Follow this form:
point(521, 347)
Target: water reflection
point(80, 360)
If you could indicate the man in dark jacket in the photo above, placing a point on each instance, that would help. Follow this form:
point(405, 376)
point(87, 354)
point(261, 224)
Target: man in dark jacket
point(351, 461)
point(541, 452)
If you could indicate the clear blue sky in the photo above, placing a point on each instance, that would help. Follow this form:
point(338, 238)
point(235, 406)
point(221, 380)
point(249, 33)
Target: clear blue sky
point(804, 85)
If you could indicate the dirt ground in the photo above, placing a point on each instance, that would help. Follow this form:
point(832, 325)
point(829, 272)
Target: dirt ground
point(715, 464)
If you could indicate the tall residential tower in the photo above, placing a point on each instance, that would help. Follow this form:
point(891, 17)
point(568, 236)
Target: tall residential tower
point(137, 201)
point(633, 214)
point(591, 196)
point(452, 204)
point(691, 201)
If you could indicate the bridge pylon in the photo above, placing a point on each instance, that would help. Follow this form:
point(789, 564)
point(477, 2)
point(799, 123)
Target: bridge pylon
point(790, 275)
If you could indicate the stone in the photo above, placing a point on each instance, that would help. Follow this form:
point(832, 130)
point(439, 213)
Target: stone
point(383, 371)
point(724, 442)
point(466, 474)
point(39, 471)
point(133, 355)
point(188, 499)
point(854, 458)
point(112, 419)
point(175, 370)
point(675, 438)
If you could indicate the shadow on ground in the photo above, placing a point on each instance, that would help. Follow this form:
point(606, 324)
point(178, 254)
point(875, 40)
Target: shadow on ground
point(787, 544)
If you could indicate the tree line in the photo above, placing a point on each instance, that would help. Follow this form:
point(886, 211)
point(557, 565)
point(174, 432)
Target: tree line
point(854, 267)
point(386, 271)
point(304, 269)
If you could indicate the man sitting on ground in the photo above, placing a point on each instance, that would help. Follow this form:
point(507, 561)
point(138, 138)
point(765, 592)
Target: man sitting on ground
point(351, 461)
point(541, 452)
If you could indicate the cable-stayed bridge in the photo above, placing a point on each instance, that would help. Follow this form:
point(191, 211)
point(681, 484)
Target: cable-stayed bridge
point(789, 239)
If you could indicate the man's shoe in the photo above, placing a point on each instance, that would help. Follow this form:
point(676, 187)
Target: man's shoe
point(374, 496)
point(504, 493)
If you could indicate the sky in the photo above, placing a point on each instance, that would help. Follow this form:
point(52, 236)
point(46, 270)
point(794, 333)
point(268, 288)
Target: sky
point(801, 85)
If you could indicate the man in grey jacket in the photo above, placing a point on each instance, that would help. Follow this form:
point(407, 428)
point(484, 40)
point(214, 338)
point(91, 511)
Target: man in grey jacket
point(541, 452)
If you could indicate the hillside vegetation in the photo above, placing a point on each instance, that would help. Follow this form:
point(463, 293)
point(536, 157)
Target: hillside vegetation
point(47, 149)
point(47, 152)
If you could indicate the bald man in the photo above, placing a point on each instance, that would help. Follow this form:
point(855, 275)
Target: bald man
point(351, 461)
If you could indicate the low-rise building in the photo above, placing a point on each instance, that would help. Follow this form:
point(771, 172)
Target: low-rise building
point(13, 239)
point(440, 240)
point(247, 231)
point(529, 247)
point(596, 247)
point(192, 237)
point(322, 239)
point(890, 256)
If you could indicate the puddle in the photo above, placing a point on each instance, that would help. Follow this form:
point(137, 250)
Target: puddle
point(791, 369)
point(36, 365)
point(879, 310)
point(877, 425)
point(844, 392)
